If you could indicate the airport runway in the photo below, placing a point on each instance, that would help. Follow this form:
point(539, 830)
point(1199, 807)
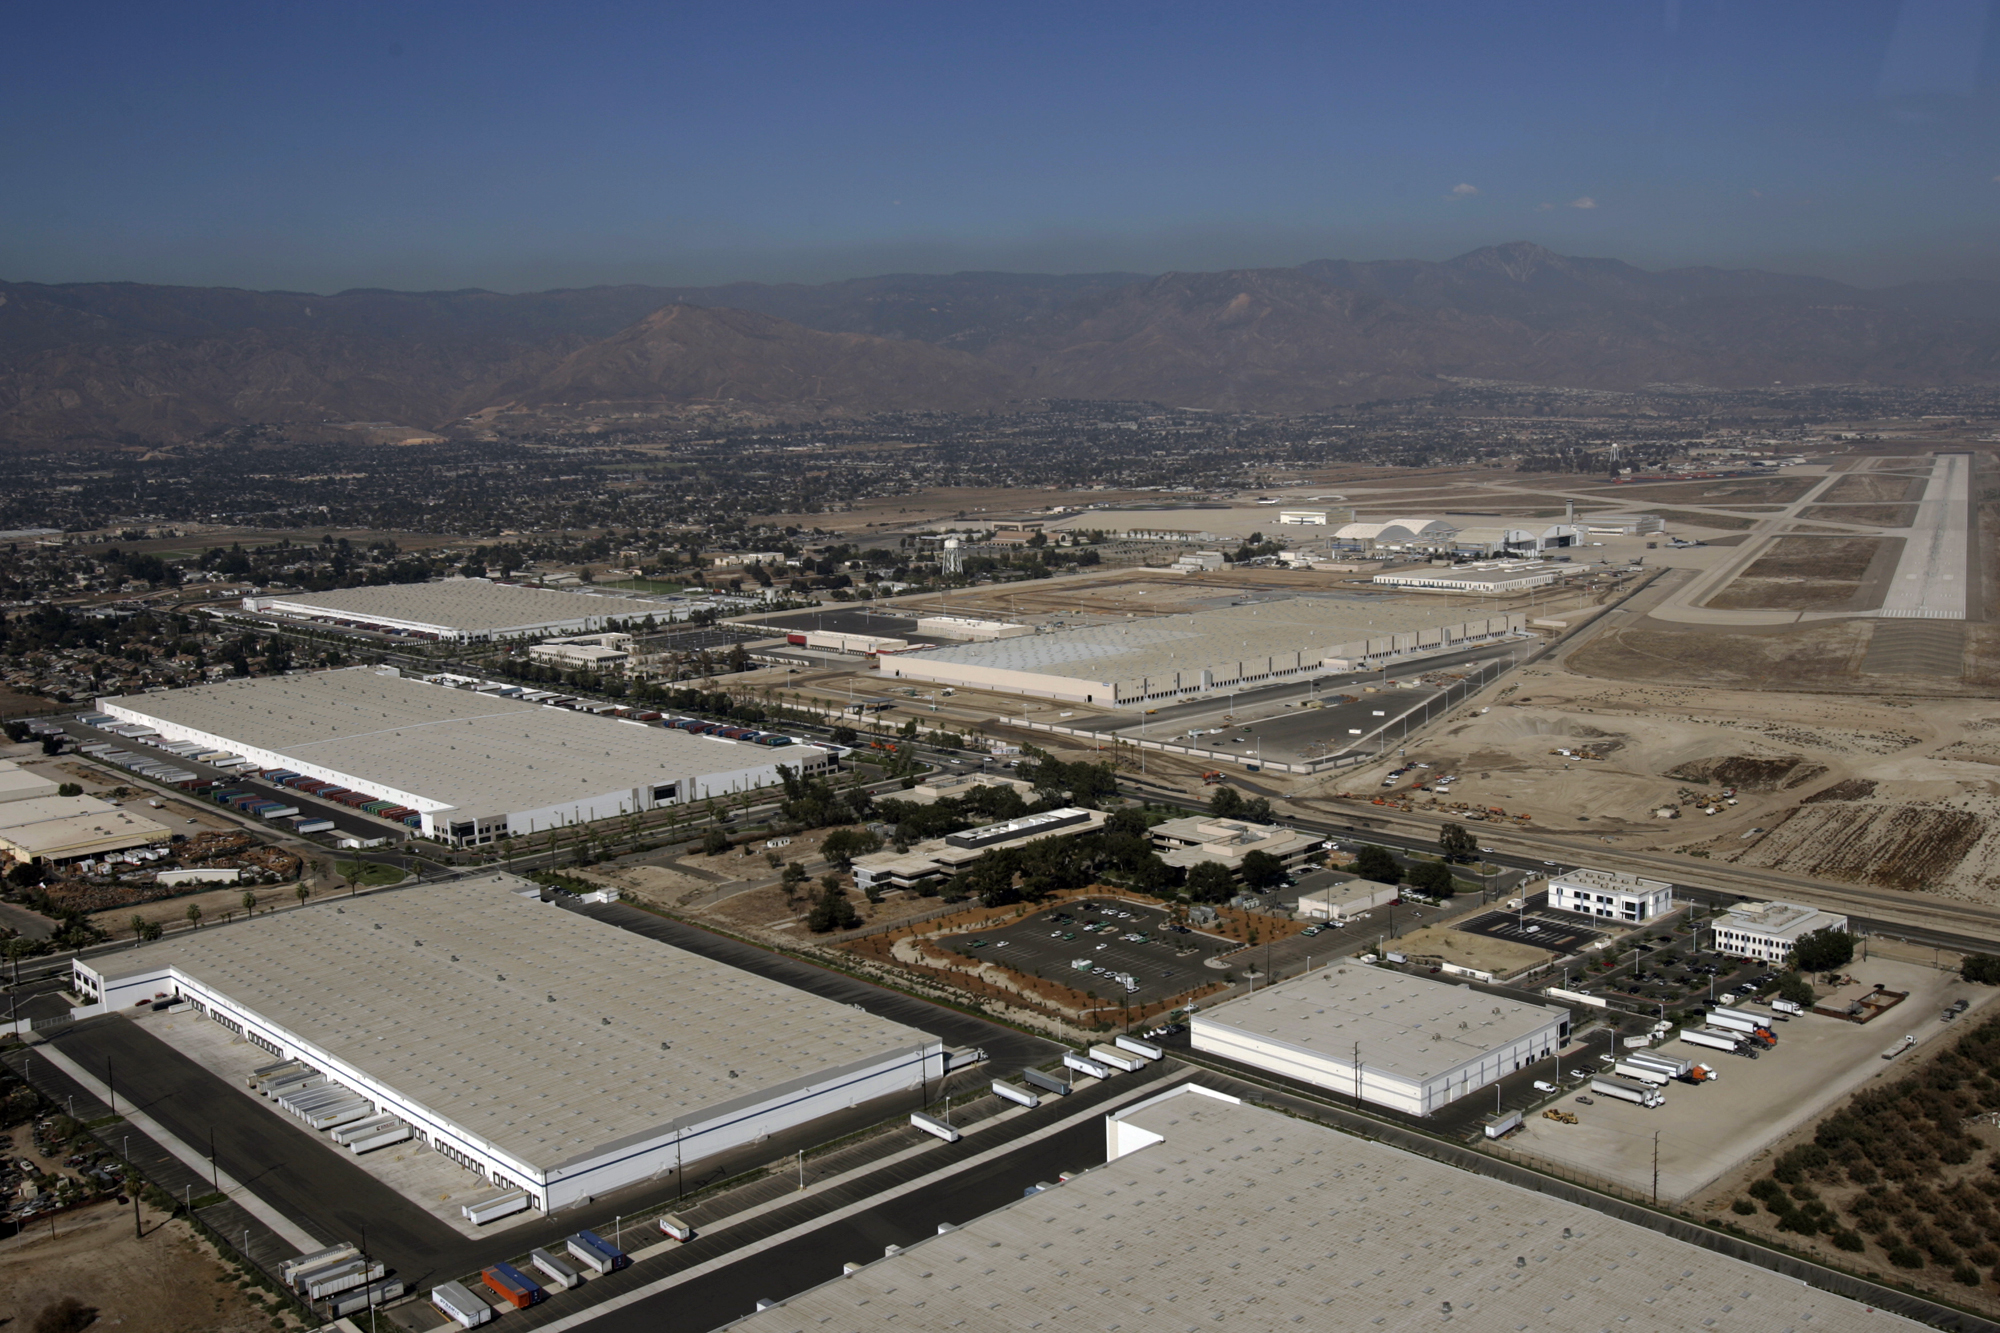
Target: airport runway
point(1930, 579)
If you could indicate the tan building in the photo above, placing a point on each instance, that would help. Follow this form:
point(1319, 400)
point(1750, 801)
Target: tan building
point(18, 784)
point(1186, 843)
point(928, 793)
point(941, 858)
point(89, 828)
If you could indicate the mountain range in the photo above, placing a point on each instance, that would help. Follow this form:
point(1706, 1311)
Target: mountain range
point(112, 363)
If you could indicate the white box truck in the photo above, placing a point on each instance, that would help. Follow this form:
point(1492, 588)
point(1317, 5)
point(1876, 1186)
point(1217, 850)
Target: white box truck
point(1641, 1073)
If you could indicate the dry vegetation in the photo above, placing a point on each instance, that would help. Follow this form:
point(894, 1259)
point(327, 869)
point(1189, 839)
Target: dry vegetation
point(1896, 846)
point(1808, 656)
point(1873, 488)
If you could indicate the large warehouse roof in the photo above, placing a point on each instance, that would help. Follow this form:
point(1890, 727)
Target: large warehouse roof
point(1165, 644)
point(541, 1031)
point(1233, 1216)
point(469, 751)
point(1412, 1027)
point(463, 605)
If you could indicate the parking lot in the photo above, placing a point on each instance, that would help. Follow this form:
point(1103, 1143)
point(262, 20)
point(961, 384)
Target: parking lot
point(1706, 1130)
point(1558, 933)
point(1161, 961)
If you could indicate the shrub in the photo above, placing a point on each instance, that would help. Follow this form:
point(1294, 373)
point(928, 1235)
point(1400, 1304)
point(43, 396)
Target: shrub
point(1863, 1172)
point(1967, 1274)
point(1904, 1257)
point(1766, 1189)
point(68, 1315)
point(1743, 1208)
point(1802, 1222)
point(1845, 1239)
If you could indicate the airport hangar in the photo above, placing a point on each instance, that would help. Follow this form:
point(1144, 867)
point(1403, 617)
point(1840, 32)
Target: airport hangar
point(1230, 648)
point(1408, 1043)
point(475, 767)
point(458, 610)
point(546, 1051)
point(1210, 1211)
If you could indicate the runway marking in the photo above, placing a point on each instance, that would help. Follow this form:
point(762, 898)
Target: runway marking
point(238, 1192)
point(1927, 583)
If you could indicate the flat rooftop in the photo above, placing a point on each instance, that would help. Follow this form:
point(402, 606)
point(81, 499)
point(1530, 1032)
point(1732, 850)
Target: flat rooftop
point(472, 752)
point(465, 605)
point(78, 835)
point(35, 809)
point(1767, 918)
point(1412, 1027)
point(1160, 646)
point(531, 1026)
point(1238, 1215)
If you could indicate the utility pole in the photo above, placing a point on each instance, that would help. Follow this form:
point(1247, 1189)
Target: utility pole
point(1656, 1167)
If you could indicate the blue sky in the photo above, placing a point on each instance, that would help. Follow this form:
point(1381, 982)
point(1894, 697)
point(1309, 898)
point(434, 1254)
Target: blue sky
point(520, 146)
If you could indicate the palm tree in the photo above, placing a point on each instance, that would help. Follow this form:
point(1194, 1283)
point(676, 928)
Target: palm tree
point(193, 915)
point(302, 891)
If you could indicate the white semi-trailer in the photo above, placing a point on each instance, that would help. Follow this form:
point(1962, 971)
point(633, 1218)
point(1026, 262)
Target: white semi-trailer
point(1625, 1090)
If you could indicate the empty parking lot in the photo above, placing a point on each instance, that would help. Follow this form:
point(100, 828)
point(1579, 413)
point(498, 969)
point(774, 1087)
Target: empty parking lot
point(1100, 934)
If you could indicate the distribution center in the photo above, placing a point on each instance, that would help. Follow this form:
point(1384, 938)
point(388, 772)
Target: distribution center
point(458, 610)
point(1409, 1043)
point(1230, 648)
point(474, 766)
point(1213, 1214)
point(544, 1050)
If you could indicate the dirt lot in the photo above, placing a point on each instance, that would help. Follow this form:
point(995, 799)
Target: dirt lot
point(1887, 791)
point(1682, 519)
point(168, 1282)
point(1803, 574)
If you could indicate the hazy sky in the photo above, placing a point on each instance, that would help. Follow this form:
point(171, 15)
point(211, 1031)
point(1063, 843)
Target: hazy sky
point(518, 146)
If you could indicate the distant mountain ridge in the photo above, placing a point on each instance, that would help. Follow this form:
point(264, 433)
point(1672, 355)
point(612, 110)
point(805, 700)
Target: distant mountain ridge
point(126, 362)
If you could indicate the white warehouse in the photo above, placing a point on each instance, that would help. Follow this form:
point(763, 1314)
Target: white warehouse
point(1408, 1043)
point(459, 610)
point(475, 766)
point(541, 1049)
point(1767, 931)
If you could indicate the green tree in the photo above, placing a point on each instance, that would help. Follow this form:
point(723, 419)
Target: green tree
point(1432, 878)
point(1824, 950)
point(70, 789)
point(1210, 882)
point(714, 842)
point(1225, 803)
point(194, 914)
point(1797, 989)
point(1376, 863)
point(832, 910)
point(1261, 870)
point(1457, 843)
point(1981, 968)
point(249, 901)
point(843, 845)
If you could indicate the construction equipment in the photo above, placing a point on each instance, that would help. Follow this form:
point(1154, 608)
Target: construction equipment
point(1562, 1117)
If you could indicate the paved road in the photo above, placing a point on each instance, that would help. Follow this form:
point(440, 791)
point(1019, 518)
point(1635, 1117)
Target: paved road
point(1931, 578)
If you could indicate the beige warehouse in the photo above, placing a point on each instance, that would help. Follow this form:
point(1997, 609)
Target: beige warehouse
point(1230, 648)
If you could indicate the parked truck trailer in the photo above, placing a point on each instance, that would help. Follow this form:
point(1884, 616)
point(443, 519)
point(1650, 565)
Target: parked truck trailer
point(1626, 1090)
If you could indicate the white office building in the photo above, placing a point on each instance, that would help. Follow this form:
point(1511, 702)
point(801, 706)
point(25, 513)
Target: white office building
point(1767, 931)
point(1610, 894)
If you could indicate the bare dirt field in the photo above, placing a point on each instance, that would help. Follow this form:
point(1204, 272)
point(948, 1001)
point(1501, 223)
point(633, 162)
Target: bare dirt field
point(1808, 656)
point(169, 1282)
point(1887, 488)
point(1883, 516)
point(1751, 490)
point(1688, 518)
point(1854, 786)
point(1803, 574)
